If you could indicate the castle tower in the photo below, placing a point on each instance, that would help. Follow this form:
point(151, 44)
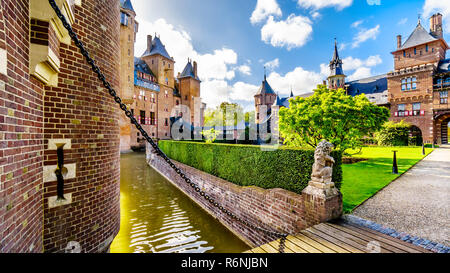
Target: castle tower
point(159, 61)
point(411, 85)
point(264, 100)
point(128, 30)
point(60, 162)
point(337, 77)
point(189, 87)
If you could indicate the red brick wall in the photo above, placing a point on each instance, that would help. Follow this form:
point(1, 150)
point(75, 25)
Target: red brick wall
point(21, 142)
point(80, 109)
point(274, 209)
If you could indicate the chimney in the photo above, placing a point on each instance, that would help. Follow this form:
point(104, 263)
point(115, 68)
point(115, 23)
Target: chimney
point(149, 42)
point(195, 69)
point(436, 26)
point(399, 41)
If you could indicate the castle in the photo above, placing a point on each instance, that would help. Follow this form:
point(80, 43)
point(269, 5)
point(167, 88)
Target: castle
point(415, 91)
point(149, 87)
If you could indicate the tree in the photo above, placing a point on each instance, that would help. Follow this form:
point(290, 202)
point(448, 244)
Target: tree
point(394, 134)
point(226, 114)
point(332, 115)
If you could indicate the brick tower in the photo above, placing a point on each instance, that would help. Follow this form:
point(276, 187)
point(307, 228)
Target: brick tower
point(410, 85)
point(264, 100)
point(55, 116)
point(128, 30)
point(189, 87)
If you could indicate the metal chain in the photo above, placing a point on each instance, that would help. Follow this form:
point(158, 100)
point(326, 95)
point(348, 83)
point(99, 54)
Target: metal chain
point(133, 120)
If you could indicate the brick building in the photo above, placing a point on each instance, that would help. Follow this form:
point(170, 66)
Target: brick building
point(56, 116)
point(415, 91)
point(152, 91)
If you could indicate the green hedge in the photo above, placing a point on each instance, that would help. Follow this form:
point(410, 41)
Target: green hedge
point(248, 165)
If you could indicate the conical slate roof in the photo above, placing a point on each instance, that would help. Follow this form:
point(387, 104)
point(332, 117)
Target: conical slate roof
point(278, 102)
point(188, 71)
point(265, 88)
point(336, 63)
point(126, 4)
point(418, 36)
point(157, 48)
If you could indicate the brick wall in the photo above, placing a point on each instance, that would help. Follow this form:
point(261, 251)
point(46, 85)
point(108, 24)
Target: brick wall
point(274, 209)
point(21, 143)
point(79, 109)
point(34, 117)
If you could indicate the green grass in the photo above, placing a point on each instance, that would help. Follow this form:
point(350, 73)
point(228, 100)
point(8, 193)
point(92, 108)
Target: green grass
point(363, 179)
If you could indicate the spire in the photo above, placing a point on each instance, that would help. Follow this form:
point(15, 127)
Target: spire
point(335, 54)
point(265, 77)
point(292, 94)
point(336, 62)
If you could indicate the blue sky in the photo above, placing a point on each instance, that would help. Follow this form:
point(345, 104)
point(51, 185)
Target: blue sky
point(232, 40)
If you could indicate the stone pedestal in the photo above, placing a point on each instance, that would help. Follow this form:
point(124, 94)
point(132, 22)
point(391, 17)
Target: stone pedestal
point(322, 201)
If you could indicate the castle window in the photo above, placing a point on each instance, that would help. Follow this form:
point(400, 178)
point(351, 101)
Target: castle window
point(166, 94)
point(167, 81)
point(426, 48)
point(404, 53)
point(177, 102)
point(142, 114)
point(444, 97)
point(166, 122)
point(152, 118)
point(123, 19)
point(409, 83)
point(415, 51)
point(401, 110)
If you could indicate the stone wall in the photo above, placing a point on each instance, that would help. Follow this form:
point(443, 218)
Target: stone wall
point(274, 209)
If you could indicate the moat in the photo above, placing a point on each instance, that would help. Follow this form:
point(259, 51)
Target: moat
point(157, 217)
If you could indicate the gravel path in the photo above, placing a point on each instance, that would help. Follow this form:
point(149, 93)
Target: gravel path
point(417, 203)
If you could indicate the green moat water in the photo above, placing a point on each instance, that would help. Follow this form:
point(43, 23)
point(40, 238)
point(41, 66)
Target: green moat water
point(158, 217)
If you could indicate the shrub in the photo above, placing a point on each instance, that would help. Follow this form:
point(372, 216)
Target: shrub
point(394, 134)
point(248, 165)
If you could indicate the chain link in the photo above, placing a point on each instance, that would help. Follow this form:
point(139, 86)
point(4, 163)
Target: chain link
point(133, 120)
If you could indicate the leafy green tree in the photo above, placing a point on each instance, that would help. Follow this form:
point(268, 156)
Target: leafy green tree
point(226, 114)
point(332, 115)
point(394, 134)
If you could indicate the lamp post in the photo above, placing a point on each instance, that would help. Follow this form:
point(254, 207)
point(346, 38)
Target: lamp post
point(394, 163)
point(423, 149)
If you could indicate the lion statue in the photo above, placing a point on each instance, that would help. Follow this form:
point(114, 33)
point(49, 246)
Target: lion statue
point(323, 163)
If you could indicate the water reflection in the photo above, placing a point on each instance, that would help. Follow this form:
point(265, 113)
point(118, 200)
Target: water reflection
point(157, 217)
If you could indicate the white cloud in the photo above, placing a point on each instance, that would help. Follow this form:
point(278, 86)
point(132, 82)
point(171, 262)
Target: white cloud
point(272, 65)
point(350, 63)
point(318, 4)
point(402, 21)
point(315, 14)
point(214, 92)
point(214, 68)
point(293, 32)
point(245, 69)
point(300, 80)
point(443, 7)
point(357, 23)
point(361, 68)
point(360, 73)
point(243, 91)
point(364, 35)
point(263, 9)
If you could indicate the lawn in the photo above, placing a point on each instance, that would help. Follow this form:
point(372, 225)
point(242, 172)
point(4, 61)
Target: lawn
point(363, 179)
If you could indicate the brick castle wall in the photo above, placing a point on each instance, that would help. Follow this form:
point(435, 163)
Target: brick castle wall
point(80, 109)
point(21, 139)
point(274, 209)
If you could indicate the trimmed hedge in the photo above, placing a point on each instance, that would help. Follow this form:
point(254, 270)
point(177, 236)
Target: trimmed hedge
point(248, 165)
